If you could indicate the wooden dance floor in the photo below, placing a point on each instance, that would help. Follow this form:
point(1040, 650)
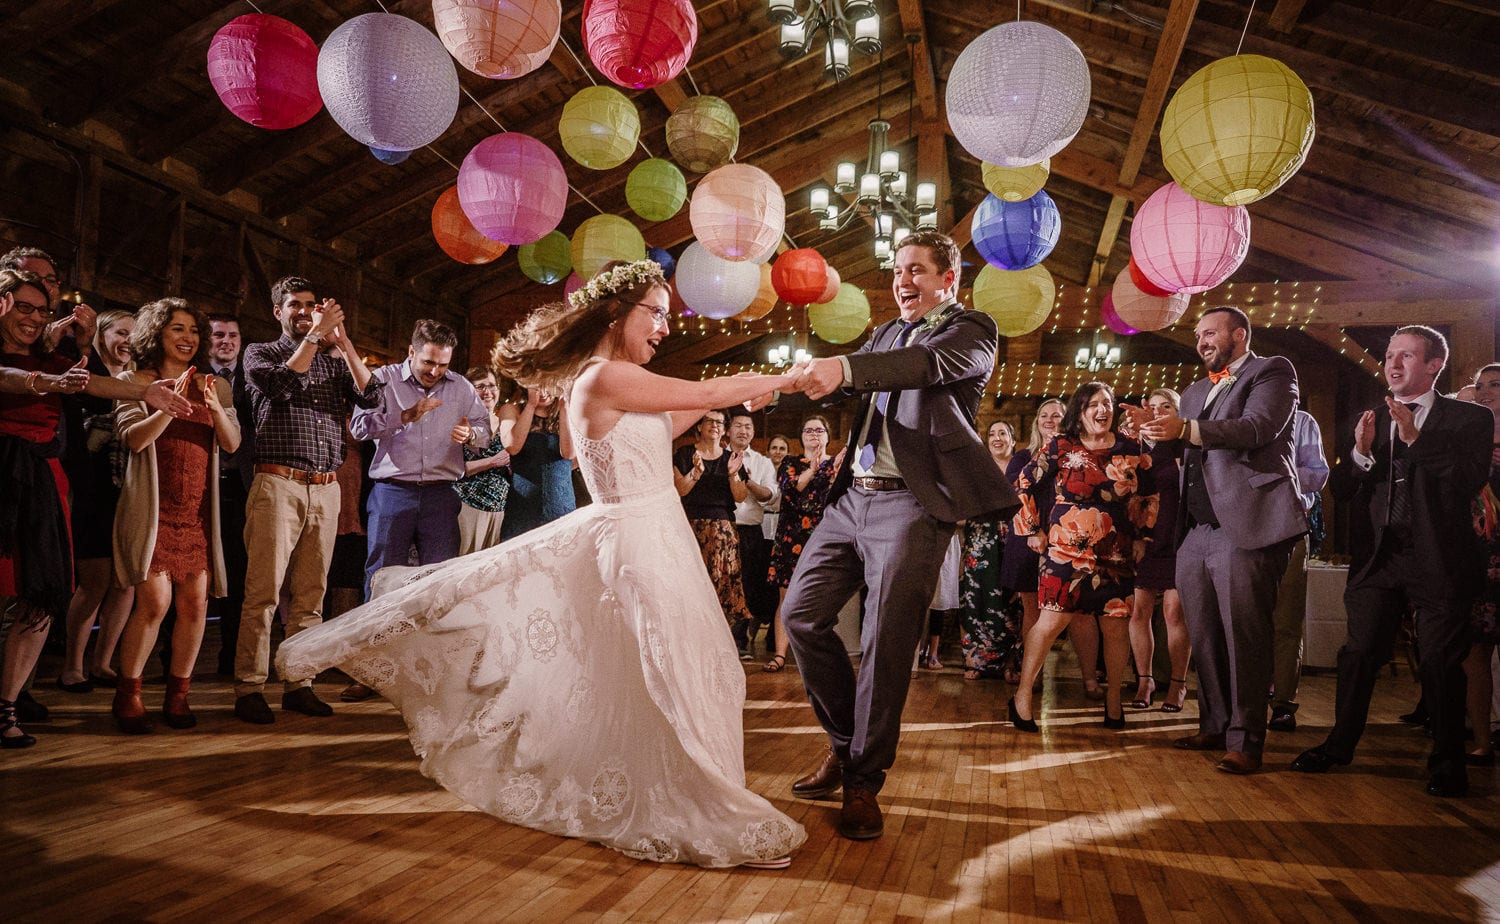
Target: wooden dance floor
point(329, 819)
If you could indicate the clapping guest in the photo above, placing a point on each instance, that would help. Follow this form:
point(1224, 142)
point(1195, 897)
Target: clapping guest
point(990, 633)
point(539, 439)
point(483, 488)
point(711, 481)
point(167, 530)
point(1487, 606)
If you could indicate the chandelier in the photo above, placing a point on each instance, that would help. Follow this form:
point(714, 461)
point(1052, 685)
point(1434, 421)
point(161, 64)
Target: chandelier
point(1100, 356)
point(784, 355)
point(842, 22)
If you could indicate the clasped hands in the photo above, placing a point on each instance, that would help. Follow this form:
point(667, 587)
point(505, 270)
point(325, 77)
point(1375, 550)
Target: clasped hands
point(1157, 426)
point(816, 378)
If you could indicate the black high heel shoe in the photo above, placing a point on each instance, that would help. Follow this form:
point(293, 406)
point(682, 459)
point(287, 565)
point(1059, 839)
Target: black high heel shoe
point(7, 722)
point(1025, 725)
point(1114, 724)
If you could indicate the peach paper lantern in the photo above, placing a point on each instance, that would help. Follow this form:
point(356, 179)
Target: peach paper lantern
point(265, 70)
point(498, 39)
point(703, 134)
point(1020, 301)
point(831, 289)
point(843, 318)
point(456, 235)
point(765, 298)
point(1146, 312)
point(513, 188)
point(800, 275)
point(639, 43)
point(603, 238)
point(1181, 244)
point(738, 212)
point(599, 127)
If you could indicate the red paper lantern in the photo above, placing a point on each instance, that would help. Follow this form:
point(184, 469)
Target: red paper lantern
point(265, 71)
point(639, 43)
point(800, 276)
point(1144, 284)
point(457, 235)
point(831, 290)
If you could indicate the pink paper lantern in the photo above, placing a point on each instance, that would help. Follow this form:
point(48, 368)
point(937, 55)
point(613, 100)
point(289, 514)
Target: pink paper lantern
point(513, 188)
point(639, 43)
point(738, 212)
point(265, 70)
point(573, 284)
point(1111, 317)
point(499, 39)
point(830, 291)
point(1183, 245)
point(1136, 309)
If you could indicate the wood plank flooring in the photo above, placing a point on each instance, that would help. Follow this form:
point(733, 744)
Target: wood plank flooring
point(329, 820)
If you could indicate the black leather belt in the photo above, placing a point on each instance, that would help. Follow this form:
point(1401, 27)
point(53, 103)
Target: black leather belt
point(880, 484)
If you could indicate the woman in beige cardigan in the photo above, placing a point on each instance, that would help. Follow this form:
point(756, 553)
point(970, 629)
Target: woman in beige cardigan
point(167, 525)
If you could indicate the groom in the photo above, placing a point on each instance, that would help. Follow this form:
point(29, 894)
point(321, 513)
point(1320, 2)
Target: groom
point(915, 466)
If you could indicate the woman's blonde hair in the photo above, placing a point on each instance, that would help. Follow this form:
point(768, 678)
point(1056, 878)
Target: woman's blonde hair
point(1169, 394)
point(106, 321)
point(1037, 444)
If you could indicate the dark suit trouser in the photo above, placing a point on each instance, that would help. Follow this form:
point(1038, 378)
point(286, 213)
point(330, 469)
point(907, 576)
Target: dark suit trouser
point(232, 537)
point(1228, 595)
point(1375, 603)
point(887, 542)
point(761, 596)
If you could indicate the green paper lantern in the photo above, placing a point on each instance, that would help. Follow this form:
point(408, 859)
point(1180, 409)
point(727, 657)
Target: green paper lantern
point(655, 189)
point(599, 127)
point(842, 319)
point(548, 260)
point(603, 238)
point(703, 134)
point(1020, 301)
point(1016, 184)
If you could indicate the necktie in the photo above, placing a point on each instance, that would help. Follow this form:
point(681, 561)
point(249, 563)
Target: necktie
point(225, 372)
point(882, 402)
point(1398, 512)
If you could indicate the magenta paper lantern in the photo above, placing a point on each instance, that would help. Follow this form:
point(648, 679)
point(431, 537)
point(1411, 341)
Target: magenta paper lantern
point(1136, 309)
point(513, 188)
point(265, 71)
point(738, 212)
point(1111, 317)
point(499, 39)
point(1183, 245)
point(639, 43)
point(573, 284)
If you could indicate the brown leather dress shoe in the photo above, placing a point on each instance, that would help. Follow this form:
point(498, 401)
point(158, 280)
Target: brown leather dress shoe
point(822, 782)
point(1239, 763)
point(860, 818)
point(1200, 743)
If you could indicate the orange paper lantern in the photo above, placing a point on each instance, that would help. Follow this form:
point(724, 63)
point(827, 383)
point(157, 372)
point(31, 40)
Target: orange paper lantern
point(800, 275)
point(765, 298)
point(457, 235)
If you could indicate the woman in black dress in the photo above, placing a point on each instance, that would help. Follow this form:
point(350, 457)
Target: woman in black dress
point(1156, 574)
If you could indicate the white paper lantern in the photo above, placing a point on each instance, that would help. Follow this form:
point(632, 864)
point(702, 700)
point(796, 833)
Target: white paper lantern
point(1017, 94)
point(715, 287)
point(388, 82)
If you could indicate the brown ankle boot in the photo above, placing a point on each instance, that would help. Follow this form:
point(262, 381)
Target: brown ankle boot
point(129, 713)
point(174, 709)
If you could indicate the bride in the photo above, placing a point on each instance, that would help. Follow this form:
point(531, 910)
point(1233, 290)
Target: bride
point(581, 679)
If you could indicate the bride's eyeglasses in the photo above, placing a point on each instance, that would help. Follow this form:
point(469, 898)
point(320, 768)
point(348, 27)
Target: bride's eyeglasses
point(660, 315)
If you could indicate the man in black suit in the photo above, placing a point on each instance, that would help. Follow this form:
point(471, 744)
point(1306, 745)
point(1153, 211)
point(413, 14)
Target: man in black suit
point(915, 465)
point(235, 474)
point(1416, 465)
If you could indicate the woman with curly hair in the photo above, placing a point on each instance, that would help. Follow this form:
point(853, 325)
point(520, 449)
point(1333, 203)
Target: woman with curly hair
point(580, 679)
point(167, 526)
point(1103, 507)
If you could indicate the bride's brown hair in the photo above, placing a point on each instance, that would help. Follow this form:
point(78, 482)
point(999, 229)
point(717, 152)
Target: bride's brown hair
point(545, 350)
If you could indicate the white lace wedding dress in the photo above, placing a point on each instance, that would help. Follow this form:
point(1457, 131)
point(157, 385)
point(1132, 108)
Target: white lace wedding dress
point(579, 679)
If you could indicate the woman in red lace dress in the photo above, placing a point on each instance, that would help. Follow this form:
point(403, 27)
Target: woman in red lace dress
point(167, 526)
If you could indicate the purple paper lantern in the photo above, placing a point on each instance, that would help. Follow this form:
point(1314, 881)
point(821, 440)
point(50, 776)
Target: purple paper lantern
point(1016, 235)
point(513, 188)
point(265, 71)
point(1186, 246)
point(664, 259)
point(389, 157)
point(388, 81)
point(1111, 317)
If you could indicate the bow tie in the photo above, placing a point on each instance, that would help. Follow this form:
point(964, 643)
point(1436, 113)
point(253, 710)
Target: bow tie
point(1217, 377)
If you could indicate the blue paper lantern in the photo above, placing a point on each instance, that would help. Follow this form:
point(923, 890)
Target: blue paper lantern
point(389, 157)
point(663, 259)
point(1016, 235)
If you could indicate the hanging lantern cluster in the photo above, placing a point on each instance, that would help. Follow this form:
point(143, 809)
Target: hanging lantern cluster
point(265, 71)
point(498, 39)
point(388, 82)
point(513, 188)
point(639, 43)
point(738, 213)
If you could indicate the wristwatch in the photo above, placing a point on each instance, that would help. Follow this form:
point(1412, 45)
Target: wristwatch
point(314, 338)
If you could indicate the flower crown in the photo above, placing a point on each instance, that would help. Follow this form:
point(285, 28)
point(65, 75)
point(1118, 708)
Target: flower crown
point(616, 281)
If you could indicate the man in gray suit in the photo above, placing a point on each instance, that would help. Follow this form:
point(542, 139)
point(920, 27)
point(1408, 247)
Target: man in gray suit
point(1239, 517)
point(915, 465)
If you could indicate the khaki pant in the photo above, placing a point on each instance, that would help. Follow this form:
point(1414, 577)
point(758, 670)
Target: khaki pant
point(478, 529)
point(1291, 613)
point(290, 529)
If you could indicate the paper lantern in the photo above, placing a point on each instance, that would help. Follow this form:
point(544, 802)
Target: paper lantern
point(655, 189)
point(664, 259)
point(1014, 184)
point(390, 157)
point(1017, 94)
point(1237, 129)
point(1111, 317)
point(1016, 235)
point(715, 287)
point(765, 298)
point(1020, 301)
point(1142, 283)
point(800, 275)
point(599, 127)
point(574, 283)
point(548, 260)
point(703, 134)
point(499, 39)
point(639, 43)
point(843, 318)
point(1145, 312)
point(738, 212)
point(513, 188)
point(1181, 244)
point(456, 235)
point(598, 240)
point(388, 82)
point(265, 71)
point(831, 289)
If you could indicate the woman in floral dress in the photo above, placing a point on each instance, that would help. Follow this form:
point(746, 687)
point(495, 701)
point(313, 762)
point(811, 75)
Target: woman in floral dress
point(1101, 518)
point(990, 624)
point(804, 481)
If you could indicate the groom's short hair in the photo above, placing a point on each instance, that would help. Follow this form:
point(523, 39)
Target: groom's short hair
point(945, 253)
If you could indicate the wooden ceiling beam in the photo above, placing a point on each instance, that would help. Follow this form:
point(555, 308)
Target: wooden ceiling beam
point(1285, 14)
point(40, 23)
point(924, 75)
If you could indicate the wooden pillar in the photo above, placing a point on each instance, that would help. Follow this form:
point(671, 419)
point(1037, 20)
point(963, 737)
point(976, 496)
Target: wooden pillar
point(86, 222)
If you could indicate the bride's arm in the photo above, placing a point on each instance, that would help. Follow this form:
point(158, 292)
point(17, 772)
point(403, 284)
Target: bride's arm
point(627, 387)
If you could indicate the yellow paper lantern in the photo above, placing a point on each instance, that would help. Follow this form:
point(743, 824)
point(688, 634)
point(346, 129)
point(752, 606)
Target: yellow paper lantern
point(1020, 301)
point(1016, 184)
point(1237, 129)
point(765, 298)
point(842, 319)
point(655, 189)
point(548, 260)
point(703, 134)
point(603, 238)
point(599, 127)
